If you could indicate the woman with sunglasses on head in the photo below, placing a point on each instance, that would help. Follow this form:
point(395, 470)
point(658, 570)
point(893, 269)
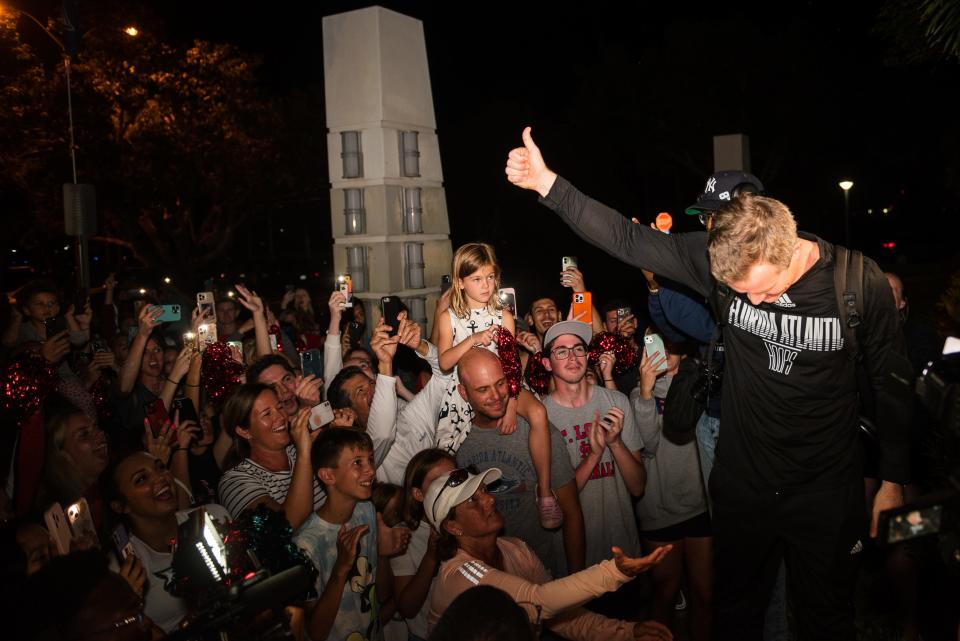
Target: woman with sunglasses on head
point(458, 505)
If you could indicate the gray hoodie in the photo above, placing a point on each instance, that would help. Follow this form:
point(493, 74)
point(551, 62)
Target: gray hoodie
point(674, 491)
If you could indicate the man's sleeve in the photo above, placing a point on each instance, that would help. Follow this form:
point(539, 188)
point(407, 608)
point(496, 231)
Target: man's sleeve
point(382, 422)
point(679, 257)
point(691, 317)
point(891, 375)
point(332, 361)
point(416, 429)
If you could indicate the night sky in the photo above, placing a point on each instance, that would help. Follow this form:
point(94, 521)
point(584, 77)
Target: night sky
point(624, 101)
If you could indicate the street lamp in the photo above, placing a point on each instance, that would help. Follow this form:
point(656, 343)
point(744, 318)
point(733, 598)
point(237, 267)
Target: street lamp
point(846, 185)
point(79, 203)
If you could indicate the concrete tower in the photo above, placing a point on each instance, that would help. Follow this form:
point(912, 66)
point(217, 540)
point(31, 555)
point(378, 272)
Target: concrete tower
point(387, 203)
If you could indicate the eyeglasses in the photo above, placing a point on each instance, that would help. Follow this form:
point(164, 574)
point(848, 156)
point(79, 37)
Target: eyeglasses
point(704, 218)
point(563, 353)
point(457, 477)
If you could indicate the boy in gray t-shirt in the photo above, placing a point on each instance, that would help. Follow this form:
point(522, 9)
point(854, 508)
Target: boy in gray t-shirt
point(611, 474)
point(607, 504)
point(515, 491)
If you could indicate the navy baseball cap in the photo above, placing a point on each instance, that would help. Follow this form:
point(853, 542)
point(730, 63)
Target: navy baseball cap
point(722, 187)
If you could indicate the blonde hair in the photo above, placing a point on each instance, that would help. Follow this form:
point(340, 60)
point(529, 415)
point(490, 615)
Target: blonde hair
point(750, 230)
point(468, 259)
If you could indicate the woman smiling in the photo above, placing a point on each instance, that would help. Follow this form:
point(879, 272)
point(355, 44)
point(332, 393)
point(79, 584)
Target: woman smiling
point(275, 470)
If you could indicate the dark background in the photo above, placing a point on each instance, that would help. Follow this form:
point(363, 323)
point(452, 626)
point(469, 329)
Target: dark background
point(624, 101)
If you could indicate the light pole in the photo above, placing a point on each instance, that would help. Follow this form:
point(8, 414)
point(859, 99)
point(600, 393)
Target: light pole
point(79, 202)
point(846, 185)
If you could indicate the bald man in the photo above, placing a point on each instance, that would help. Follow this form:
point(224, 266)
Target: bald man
point(484, 385)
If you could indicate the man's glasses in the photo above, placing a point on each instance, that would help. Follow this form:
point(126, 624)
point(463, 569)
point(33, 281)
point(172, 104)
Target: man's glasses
point(457, 477)
point(704, 218)
point(563, 353)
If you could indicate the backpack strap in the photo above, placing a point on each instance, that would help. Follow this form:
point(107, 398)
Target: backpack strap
point(721, 298)
point(848, 286)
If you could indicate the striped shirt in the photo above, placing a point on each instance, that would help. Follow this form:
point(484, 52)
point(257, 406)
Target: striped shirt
point(248, 482)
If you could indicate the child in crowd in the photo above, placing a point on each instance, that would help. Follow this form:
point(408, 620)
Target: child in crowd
point(344, 539)
point(475, 314)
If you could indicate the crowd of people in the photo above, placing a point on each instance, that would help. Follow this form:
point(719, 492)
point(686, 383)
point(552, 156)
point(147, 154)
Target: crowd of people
point(507, 476)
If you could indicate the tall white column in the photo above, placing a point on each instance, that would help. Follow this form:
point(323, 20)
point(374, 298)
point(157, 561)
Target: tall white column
point(387, 202)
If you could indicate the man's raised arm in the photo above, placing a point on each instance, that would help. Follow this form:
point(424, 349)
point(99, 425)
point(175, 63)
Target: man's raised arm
point(681, 257)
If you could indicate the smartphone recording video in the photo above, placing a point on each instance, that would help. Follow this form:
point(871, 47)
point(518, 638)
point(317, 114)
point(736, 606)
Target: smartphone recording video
point(345, 287)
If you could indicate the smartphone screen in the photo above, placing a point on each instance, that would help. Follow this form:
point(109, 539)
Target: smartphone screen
point(390, 308)
point(654, 348)
point(170, 313)
point(157, 415)
point(913, 523)
point(80, 300)
point(508, 298)
point(55, 325)
point(320, 415)
point(345, 287)
point(355, 332)
point(311, 362)
point(122, 547)
point(207, 305)
point(238, 345)
point(81, 522)
point(187, 412)
point(583, 307)
point(445, 283)
point(59, 528)
point(206, 335)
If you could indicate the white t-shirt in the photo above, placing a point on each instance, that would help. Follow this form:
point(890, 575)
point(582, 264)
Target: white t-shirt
point(248, 481)
point(406, 565)
point(163, 608)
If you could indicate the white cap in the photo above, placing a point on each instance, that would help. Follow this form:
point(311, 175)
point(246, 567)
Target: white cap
point(442, 497)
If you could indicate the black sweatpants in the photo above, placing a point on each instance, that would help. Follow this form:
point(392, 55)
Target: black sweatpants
point(817, 532)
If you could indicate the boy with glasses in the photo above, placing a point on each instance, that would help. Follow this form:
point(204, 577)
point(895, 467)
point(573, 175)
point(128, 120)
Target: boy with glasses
point(598, 429)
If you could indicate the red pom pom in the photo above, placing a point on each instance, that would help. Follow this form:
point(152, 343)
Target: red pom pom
point(509, 359)
point(538, 378)
point(26, 382)
point(219, 373)
point(621, 347)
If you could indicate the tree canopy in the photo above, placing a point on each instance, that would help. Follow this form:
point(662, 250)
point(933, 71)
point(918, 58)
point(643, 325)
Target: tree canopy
point(182, 144)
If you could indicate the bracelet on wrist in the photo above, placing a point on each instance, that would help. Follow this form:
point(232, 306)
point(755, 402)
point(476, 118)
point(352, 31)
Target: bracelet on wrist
point(170, 380)
point(608, 380)
point(653, 290)
point(191, 384)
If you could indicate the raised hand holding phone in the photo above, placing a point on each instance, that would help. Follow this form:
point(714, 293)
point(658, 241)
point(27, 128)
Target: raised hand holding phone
point(649, 372)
